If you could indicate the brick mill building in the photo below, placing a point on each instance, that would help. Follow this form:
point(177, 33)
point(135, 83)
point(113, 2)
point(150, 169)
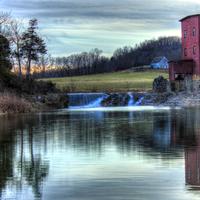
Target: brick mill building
point(189, 65)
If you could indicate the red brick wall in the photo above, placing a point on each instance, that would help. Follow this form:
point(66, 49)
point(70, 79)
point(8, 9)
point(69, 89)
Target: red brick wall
point(190, 41)
point(180, 67)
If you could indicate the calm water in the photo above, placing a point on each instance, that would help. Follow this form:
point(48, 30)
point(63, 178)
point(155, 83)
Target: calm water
point(97, 155)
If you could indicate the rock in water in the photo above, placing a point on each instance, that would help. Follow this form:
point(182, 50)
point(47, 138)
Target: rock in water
point(116, 99)
point(160, 85)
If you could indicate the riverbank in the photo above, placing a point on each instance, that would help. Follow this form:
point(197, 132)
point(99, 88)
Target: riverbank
point(183, 99)
point(22, 95)
point(11, 103)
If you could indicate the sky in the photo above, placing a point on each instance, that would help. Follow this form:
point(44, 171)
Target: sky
point(73, 26)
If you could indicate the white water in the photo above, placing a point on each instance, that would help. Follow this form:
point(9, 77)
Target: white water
point(93, 104)
point(139, 101)
point(93, 101)
point(86, 100)
point(131, 100)
point(122, 109)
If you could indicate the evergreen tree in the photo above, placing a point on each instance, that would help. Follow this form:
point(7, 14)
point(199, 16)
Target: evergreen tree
point(5, 64)
point(32, 45)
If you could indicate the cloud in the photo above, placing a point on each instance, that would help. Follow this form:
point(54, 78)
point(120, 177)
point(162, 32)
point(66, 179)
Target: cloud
point(82, 24)
point(126, 9)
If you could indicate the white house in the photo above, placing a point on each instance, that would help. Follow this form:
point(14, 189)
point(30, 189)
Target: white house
point(160, 62)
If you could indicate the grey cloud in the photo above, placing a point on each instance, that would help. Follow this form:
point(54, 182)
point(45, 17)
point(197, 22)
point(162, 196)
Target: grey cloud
point(134, 9)
point(82, 24)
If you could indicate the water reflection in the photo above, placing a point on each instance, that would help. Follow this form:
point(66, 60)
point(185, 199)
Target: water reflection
point(86, 155)
point(192, 165)
point(19, 164)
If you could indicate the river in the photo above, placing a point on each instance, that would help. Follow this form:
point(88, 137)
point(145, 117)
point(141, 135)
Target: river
point(103, 154)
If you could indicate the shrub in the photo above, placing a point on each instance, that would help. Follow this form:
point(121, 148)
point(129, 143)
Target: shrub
point(5, 64)
point(10, 103)
point(28, 86)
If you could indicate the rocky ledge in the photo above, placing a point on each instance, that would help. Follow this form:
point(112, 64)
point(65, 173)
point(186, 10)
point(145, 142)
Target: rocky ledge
point(136, 98)
point(51, 100)
point(183, 99)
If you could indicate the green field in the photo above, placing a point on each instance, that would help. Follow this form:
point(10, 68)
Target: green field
point(109, 82)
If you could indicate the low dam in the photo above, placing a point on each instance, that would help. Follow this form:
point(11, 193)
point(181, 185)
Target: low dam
point(96, 100)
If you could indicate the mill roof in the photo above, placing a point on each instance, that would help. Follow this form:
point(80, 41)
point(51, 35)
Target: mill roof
point(189, 16)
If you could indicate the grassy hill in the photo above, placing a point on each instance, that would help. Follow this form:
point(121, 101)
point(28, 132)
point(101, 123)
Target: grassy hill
point(109, 82)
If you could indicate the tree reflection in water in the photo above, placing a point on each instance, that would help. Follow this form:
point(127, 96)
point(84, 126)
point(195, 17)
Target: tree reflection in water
point(192, 165)
point(26, 140)
point(30, 170)
point(6, 163)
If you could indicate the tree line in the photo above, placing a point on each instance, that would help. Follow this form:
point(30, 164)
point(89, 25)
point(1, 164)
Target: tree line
point(27, 51)
point(94, 61)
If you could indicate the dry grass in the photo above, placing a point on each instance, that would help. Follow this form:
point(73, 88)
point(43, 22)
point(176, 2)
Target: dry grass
point(109, 82)
point(10, 103)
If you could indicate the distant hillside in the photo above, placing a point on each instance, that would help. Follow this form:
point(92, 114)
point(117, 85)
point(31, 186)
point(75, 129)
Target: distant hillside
point(145, 52)
point(94, 62)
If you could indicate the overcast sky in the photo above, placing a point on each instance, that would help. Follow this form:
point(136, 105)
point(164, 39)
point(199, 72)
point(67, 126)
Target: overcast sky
point(72, 26)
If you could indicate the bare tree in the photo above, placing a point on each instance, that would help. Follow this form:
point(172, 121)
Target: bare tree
point(4, 17)
point(43, 63)
point(14, 30)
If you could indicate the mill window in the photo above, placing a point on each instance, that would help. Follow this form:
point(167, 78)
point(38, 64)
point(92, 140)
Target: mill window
point(185, 52)
point(194, 31)
point(185, 34)
point(194, 50)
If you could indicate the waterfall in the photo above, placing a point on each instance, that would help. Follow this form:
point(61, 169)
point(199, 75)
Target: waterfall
point(96, 100)
point(131, 99)
point(96, 103)
point(132, 102)
point(86, 100)
point(139, 101)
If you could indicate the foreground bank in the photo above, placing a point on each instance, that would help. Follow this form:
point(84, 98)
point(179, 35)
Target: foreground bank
point(11, 103)
point(20, 95)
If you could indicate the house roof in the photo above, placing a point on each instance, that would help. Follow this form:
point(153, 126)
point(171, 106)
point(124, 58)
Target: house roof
point(189, 16)
point(158, 59)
